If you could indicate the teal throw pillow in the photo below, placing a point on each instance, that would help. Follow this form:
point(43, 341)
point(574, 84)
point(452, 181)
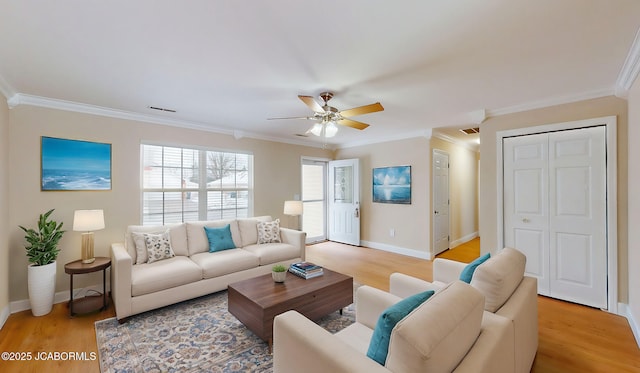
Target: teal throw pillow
point(219, 238)
point(379, 344)
point(467, 273)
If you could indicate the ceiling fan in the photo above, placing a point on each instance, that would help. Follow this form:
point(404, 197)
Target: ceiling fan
point(327, 117)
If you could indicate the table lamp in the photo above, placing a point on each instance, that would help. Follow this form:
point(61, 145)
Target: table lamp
point(293, 208)
point(88, 221)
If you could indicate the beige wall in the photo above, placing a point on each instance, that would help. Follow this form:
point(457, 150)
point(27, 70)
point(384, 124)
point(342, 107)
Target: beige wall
point(634, 205)
point(276, 178)
point(595, 108)
point(410, 222)
point(463, 189)
point(4, 211)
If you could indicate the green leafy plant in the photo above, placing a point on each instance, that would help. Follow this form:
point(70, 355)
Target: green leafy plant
point(279, 268)
point(43, 243)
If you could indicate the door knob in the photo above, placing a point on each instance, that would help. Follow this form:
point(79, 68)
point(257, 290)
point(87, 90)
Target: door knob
point(525, 220)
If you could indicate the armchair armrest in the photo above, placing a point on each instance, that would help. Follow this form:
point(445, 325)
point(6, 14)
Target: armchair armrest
point(371, 303)
point(301, 345)
point(295, 238)
point(121, 263)
point(404, 286)
point(446, 270)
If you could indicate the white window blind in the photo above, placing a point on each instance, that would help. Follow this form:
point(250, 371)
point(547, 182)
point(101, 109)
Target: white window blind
point(183, 184)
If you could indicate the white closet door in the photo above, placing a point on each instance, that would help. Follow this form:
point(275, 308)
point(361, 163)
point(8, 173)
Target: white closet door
point(526, 203)
point(555, 211)
point(578, 225)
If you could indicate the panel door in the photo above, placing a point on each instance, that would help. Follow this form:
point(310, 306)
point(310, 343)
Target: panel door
point(526, 203)
point(578, 226)
point(440, 202)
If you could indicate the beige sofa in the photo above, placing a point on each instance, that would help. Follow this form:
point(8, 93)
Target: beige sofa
point(508, 293)
point(450, 332)
point(194, 271)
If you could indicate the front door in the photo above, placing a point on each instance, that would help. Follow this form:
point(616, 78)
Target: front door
point(344, 201)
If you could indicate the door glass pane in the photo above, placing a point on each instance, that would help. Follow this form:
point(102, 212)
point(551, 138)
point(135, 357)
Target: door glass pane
point(343, 187)
point(313, 222)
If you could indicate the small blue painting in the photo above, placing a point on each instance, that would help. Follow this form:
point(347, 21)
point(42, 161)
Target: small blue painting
point(75, 165)
point(392, 185)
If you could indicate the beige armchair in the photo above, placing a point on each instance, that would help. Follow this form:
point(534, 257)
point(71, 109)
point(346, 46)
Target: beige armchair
point(508, 293)
point(450, 332)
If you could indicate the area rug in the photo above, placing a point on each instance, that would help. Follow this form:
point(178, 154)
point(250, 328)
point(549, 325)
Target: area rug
point(198, 335)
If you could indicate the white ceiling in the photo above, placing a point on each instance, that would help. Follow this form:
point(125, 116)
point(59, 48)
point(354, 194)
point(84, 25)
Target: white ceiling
point(228, 65)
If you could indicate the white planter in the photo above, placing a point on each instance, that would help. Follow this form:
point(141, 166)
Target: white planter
point(42, 287)
point(279, 276)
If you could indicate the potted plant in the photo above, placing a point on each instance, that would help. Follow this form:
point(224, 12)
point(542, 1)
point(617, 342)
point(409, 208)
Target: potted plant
point(279, 273)
point(42, 252)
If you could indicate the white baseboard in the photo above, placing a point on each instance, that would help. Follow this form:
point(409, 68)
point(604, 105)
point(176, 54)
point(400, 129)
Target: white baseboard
point(462, 240)
point(397, 249)
point(59, 297)
point(625, 311)
point(4, 315)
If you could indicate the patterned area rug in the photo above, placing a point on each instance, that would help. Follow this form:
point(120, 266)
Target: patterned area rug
point(199, 335)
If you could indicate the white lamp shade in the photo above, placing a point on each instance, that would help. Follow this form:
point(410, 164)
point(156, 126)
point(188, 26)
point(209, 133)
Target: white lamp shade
point(316, 129)
point(293, 207)
point(330, 129)
point(88, 220)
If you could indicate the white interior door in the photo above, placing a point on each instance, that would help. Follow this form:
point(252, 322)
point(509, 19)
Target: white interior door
point(555, 211)
point(440, 201)
point(526, 201)
point(578, 211)
point(344, 201)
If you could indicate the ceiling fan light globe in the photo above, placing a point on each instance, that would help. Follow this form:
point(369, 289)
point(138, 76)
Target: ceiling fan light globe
point(316, 129)
point(330, 130)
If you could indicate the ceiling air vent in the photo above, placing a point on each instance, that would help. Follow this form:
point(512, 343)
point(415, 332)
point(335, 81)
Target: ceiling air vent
point(471, 131)
point(161, 109)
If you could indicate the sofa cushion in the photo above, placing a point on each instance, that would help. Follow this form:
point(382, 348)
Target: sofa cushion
point(178, 233)
point(498, 277)
point(269, 231)
point(224, 262)
point(249, 229)
point(197, 239)
point(158, 246)
point(165, 274)
point(270, 253)
point(379, 344)
point(437, 335)
point(467, 272)
point(219, 238)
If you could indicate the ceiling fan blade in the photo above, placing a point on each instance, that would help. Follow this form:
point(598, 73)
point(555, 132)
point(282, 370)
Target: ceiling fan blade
point(353, 123)
point(372, 108)
point(311, 103)
point(290, 118)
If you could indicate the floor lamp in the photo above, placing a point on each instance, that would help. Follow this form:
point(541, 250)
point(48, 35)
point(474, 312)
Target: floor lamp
point(293, 208)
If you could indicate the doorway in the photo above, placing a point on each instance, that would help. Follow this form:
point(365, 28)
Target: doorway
point(314, 199)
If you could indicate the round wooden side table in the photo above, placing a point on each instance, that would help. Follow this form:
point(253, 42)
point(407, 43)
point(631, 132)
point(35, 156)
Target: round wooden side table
point(88, 303)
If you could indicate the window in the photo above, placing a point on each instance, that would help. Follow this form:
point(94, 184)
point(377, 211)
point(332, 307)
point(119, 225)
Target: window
point(182, 184)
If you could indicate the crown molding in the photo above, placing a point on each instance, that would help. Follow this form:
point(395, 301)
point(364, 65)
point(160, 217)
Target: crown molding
point(552, 101)
point(39, 101)
point(630, 69)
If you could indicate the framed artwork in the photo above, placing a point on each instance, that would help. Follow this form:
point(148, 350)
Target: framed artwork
point(392, 185)
point(74, 165)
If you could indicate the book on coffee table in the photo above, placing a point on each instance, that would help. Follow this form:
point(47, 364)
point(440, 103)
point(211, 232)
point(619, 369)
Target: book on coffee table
point(306, 270)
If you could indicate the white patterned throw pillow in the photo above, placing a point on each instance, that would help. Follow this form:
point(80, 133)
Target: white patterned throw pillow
point(269, 231)
point(158, 246)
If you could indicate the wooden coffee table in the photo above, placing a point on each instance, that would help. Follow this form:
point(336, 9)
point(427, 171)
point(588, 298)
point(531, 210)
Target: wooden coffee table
point(256, 301)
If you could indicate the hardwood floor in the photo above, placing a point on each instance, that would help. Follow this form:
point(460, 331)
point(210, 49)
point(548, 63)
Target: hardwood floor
point(573, 338)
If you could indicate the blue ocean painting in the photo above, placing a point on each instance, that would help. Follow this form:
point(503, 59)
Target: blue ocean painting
point(392, 185)
point(75, 165)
